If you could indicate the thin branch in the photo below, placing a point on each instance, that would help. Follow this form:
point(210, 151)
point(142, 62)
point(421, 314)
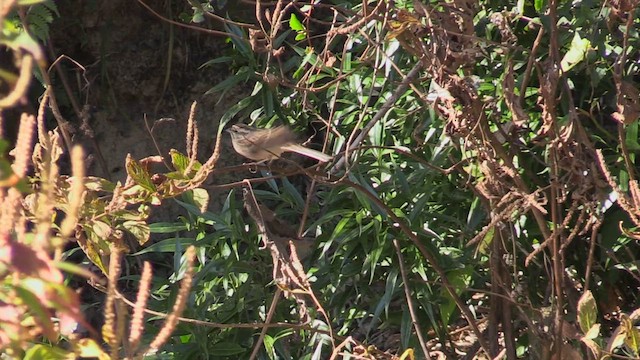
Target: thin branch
point(407, 294)
point(263, 332)
point(196, 28)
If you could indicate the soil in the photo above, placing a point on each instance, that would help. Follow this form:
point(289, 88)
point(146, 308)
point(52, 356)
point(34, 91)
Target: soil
point(136, 70)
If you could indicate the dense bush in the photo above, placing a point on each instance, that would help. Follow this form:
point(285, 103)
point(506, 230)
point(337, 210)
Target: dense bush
point(482, 197)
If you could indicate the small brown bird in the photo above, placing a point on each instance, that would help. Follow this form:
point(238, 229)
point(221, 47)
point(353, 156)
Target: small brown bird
point(281, 233)
point(269, 144)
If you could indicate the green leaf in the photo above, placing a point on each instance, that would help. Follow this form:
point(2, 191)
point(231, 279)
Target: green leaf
point(269, 346)
point(477, 214)
point(240, 41)
point(233, 111)
point(29, 2)
point(191, 208)
point(242, 75)
point(139, 229)
point(198, 197)
point(365, 200)
point(139, 174)
point(302, 68)
point(487, 239)
point(385, 300)
point(102, 230)
point(227, 349)
point(92, 250)
point(632, 338)
point(73, 268)
point(631, 136)
point(179, 160)
point(576, 53)
point(292, 194)
point(168, 245)
point(373, 260)
point(329, 216)
point(593, 332)
point(616, 340)
point(407, 354)
point(281, 38)
point(198, 17)
point(17, 39)
point(40, 352)
point(166, 228)
point(587, 312)
point(219, 60)
point(459, 279)
point(406, 328)
point(295, 24)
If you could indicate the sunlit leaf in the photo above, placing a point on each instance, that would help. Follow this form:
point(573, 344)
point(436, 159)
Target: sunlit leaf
point(168, 245)
point(166, 228)
point(139, 229)
point(587, 312)
point(41, 351)
point(139, 174)
point(88, 348)
point(593, 332)
point(632, 335)
point(576, 53)
point(179, 160)
point(407, 355)
point(617, 339)
point(295, 24)
point(30, 2)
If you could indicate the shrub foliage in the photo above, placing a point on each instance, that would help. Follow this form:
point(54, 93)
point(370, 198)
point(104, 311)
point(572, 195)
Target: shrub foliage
point(482, 197)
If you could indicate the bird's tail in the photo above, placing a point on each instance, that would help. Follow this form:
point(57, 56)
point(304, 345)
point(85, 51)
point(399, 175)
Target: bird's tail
point(320, 156)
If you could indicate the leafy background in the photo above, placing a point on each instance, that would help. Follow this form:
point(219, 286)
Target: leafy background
point(482, 200)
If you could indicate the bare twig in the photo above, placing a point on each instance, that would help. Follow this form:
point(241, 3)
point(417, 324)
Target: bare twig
point(263, 332)
point(196, 28)
point(407, 294)
point(530, 62)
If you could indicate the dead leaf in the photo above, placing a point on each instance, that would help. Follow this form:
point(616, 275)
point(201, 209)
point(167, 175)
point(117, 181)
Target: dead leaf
point(628, 98)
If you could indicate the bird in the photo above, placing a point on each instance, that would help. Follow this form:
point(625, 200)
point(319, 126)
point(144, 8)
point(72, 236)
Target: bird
point(283, 234)
point(268, 144)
